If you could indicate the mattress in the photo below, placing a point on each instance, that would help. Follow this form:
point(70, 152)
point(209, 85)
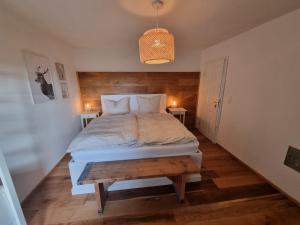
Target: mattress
point(123, 153)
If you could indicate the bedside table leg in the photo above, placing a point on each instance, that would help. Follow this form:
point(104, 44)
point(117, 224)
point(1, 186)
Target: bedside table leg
point(183, 120)
point(82, 124)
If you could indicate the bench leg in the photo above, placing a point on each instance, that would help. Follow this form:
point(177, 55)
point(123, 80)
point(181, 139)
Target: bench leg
point(179, 185)
point(100, 196)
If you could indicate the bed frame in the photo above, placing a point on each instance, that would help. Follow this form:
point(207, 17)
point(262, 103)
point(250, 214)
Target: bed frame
point(76, 168)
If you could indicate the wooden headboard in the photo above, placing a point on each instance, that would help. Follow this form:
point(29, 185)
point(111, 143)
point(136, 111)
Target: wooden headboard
point(179, 86)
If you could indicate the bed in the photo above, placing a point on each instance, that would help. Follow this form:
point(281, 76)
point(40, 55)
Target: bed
point(133, 135)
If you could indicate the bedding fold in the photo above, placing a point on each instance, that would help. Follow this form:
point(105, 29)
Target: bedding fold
point(107, 132)
point(130, 130)
point(162, 129)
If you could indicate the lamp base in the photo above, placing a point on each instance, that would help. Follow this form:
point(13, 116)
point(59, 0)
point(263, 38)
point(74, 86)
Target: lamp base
point(157, 4)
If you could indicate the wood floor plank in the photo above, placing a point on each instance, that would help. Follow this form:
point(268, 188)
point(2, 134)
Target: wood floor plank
point(140, 192)
point(208, 174)
point(235, 181)
point(226, 194)
point(157, 191)
point(142, 206)
point(159, 219)
point(229, 209)
point(265, 217)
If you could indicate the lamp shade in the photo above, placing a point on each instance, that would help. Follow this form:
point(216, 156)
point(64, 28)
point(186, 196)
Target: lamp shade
point(157, 46)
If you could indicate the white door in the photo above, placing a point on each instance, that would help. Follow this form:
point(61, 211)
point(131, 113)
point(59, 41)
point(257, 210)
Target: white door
point(212, 87)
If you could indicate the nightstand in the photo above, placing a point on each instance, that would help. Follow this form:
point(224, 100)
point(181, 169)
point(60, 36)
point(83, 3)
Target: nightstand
point(178, 112)
point(86, 117)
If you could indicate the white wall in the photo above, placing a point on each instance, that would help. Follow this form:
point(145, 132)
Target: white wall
point(33, 137)
point(261, 108)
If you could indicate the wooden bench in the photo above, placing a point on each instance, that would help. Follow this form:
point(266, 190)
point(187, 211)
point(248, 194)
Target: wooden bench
point(174, 167)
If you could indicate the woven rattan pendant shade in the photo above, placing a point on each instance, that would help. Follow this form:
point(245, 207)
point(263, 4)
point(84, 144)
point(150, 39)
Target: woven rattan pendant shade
point(156, 46)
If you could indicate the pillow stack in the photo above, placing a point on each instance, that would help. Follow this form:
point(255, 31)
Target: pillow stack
point(145, 104)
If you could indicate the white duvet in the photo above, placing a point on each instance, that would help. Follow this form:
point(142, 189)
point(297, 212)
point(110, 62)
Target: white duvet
point(162, 129)
point(131, 130)
point(107, 132)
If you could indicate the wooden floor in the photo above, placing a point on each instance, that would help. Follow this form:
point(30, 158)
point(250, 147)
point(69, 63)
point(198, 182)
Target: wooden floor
point(229, 194)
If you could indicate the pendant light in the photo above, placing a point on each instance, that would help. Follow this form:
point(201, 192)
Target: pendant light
point(157, 45)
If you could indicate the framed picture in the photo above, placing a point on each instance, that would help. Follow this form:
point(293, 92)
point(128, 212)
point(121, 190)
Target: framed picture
point(64, 90)
point(60, 69)
point(39, 76)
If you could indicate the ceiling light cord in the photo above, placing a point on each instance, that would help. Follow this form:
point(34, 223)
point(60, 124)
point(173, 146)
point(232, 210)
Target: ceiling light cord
point(157, 18)
point(157, 4)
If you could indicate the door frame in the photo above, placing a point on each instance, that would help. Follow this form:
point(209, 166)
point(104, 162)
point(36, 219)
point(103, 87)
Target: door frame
point(214, 137)
point(221, 97)
point(10, 192)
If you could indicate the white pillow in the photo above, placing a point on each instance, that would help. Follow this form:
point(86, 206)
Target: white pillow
point(116, 107)
point(148, 104)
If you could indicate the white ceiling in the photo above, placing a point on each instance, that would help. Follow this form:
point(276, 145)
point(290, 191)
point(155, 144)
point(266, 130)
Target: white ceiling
point(117, 24)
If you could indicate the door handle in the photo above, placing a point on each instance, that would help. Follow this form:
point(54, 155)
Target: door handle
point(216, 102)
